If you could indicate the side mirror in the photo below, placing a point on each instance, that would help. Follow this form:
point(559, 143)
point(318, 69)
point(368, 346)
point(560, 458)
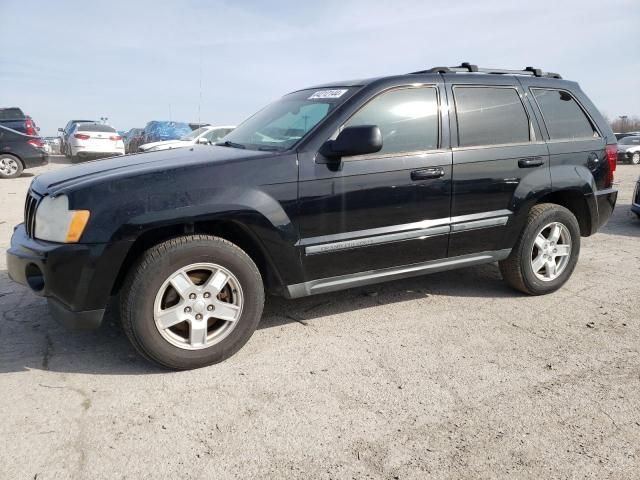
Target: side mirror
point(358, 140)
point(203, 141)
point(61, 129)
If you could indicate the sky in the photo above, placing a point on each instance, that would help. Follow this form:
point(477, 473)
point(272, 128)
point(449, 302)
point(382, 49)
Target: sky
point(220, 61)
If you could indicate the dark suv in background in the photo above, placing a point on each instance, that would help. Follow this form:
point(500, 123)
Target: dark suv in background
point(15, 119)
point(329, 187)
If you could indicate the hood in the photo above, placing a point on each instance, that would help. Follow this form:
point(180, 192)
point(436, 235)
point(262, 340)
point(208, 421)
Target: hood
point(628, 148)
point(136, 164)
point(164, 144)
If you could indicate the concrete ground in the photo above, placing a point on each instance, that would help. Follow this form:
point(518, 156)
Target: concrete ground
point(451, 375)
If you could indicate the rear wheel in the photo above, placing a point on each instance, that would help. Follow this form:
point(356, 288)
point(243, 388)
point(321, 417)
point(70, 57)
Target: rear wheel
point(192, 301)
point(635, 158)
point(546, 253)
point(10, 166)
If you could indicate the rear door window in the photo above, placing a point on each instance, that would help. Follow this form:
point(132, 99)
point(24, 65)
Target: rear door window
point(490, 116)
point(564, 118)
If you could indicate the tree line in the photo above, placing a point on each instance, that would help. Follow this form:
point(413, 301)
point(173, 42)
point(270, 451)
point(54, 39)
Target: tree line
point(624, 123)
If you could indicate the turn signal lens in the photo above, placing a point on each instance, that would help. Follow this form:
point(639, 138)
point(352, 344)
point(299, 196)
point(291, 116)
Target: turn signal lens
point(79, 220)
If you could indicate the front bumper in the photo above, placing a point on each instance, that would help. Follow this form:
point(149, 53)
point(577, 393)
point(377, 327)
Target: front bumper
point(76, 279)
point(623, 156)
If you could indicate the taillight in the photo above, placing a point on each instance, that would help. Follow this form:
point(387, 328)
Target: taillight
point(29, 128)
point(115, 138)
point(36, 142)
point(82, 136)
point(612, 160)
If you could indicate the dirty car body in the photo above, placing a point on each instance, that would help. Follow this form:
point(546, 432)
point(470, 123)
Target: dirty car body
point(314, 220)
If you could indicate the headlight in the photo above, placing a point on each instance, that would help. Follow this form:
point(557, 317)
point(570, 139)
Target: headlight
point(56, 223)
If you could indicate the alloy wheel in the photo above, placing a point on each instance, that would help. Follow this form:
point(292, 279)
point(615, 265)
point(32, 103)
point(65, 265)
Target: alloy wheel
point(8, 166)
point(551, 251)
point(198, 306)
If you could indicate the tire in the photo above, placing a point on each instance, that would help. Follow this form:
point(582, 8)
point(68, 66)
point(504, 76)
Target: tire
point(635, 158)
point(518, 269)
point(10, 166)
point(158, 270)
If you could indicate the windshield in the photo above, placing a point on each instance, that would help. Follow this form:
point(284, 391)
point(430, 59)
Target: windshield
point(630, 140)
point(193, 135)
point(285, 122)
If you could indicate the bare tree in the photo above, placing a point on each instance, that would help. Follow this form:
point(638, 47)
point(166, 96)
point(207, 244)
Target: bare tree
point(625, 123)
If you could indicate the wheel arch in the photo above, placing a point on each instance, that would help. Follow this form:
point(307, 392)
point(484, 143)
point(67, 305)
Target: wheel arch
point(14, 155)
point(576, 202)
point(228, 229)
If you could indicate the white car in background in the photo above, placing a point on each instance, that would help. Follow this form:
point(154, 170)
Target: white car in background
point(629, 149)
point(94, 140)
point(203, 135)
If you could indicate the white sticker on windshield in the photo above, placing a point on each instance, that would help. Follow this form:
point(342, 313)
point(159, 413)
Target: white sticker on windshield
point(328, 94)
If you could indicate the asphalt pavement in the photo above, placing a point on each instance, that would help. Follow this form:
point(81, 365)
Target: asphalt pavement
point(451, 375)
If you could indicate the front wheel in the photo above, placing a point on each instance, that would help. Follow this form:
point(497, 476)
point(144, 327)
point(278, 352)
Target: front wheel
point(192, 301)
point(546, 253)
point(635, 158)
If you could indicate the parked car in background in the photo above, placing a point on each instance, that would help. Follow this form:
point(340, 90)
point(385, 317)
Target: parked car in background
point(629, 149)
point(203, 135)
point(94, 140)
point(620, 136)
point(65, 132)
point(15, 119)
point(54, 145)
point(635, 203)
point(196, 126)
point(19, 152)
point(158, 131)
point(133, 139)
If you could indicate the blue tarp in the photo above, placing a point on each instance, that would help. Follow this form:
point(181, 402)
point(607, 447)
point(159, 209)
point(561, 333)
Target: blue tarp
point(157, 131)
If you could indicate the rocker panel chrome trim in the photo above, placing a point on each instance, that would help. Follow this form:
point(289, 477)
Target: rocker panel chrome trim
point(331, 284)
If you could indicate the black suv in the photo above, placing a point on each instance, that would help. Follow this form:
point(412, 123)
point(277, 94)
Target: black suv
point(329, 187)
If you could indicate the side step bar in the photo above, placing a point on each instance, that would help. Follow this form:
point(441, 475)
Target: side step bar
point(331, 284)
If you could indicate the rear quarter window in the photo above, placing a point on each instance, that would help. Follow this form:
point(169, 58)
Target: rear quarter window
point(563, 116)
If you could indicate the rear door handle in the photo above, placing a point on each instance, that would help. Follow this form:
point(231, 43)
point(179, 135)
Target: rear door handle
point(427, 173)
point(530, 162)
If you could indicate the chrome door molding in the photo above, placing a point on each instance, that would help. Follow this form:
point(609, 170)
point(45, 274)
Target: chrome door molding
point(407, 231)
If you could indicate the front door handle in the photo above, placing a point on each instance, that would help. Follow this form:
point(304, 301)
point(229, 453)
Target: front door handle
point(530, 162)
point(427, 173)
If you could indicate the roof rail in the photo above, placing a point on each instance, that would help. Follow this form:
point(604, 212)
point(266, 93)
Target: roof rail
point(468, 67)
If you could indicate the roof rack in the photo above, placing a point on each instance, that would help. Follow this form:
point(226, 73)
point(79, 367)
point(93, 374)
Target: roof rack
point(468, 67)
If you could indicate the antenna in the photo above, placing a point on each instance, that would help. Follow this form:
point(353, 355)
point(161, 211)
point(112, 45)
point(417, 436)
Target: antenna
point(200, 94)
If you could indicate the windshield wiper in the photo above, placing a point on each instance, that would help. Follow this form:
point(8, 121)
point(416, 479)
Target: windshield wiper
point(228, 143)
